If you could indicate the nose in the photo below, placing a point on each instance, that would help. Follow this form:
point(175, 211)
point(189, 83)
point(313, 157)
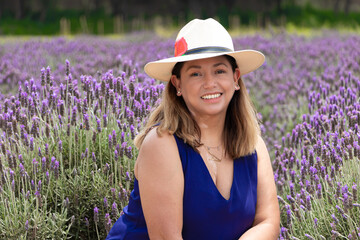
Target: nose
point(209, 81)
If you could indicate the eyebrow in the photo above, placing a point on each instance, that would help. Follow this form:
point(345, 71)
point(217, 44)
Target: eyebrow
point(199, 67)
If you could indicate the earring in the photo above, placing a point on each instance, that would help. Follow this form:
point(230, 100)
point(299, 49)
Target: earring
point(178, 93)
point(237, 87)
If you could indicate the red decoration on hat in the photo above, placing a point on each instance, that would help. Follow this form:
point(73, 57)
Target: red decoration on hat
point(180, 47)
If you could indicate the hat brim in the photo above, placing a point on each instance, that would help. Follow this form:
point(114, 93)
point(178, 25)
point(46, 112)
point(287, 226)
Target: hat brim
point(247, 61)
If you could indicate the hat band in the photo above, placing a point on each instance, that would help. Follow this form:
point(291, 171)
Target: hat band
point(207, 50)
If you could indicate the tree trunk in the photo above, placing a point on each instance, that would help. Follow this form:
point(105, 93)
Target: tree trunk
point(347, 6)
point(336, 6)
point(278, 6)
point(18, 9)
point(115, 7)
point(45, 5)
point(1, 7)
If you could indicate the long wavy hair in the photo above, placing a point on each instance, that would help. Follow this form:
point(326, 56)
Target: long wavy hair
point(172, 116)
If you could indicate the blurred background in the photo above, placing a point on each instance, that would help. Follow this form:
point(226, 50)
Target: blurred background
point(61, 17)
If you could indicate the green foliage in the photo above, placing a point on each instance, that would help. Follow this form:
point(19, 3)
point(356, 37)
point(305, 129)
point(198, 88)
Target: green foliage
point(51, 186)
point(302, 16)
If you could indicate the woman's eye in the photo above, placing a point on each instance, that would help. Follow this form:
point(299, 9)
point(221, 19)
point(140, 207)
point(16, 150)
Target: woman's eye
point(195, 74)
point(220, 71)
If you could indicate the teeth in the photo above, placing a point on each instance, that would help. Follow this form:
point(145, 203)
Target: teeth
point(211, 96)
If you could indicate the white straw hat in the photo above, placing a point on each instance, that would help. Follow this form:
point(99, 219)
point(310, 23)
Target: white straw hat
point(204, 39)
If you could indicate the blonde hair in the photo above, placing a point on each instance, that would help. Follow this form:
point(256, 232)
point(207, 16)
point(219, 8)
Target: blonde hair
point(172, 116)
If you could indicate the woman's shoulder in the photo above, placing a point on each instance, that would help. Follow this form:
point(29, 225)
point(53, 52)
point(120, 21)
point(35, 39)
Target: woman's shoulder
point(154, 139)
point(260, 145)
point(261, 150)
point(157, 151)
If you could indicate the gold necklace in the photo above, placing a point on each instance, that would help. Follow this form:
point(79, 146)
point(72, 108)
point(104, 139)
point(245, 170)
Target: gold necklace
point(213, 157)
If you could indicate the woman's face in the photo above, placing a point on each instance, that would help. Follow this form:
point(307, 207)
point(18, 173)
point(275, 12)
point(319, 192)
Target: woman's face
point(207, 85)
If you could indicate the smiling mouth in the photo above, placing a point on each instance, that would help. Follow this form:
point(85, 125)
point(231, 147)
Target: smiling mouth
point(211, 96)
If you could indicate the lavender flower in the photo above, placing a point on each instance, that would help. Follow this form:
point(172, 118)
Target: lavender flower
point(87, 124)
point(96, 215)
point(93, 157)
point(43, 164)
point(60, 146)
point(31, 144)
point(105, 120)
point(35, 163)
point(56, 169)
point(110, 141)
point(46, 149)
point(43, 77)
point(107, 223)
point(106, 205)
point(114, 138)
point(309, 236)
point(114, 210)
point(116, 155)
point(22, 170)
point(113, 193)
point(288, 214)
point(308, 202)
point(67, 67)
point(98, 125)
point(128, 178)
point(47, 178)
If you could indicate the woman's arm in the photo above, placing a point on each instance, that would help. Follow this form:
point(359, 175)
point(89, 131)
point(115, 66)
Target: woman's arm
point(161, 185)
point(266, 224)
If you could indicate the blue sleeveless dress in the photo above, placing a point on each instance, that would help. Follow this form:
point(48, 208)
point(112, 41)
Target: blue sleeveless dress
point(206, 213)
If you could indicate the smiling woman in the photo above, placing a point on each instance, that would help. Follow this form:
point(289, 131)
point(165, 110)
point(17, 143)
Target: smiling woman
point(203, 171)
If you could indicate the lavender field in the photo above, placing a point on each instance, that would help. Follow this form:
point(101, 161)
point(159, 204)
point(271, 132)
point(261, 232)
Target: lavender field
point(70, 108)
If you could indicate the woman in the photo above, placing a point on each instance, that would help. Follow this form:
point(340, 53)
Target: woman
point(203, 171)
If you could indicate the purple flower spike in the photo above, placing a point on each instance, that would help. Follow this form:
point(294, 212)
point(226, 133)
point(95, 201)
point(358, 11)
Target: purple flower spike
point(114, 210)
point(39, 186)
point(116, 155)
point(107, 222)
point(60, 146)
point(335, 218)
point(67, 67)
point(309, 236)
point(308, 202)
point(13, 185)
point(87, 224)
point(122, 137)
point(47, 178)
point(98, 121)
point(22, 170)
point(27, 225)
point(43, 164)
point(56, 170)
point(96, 215)
point(114, 138)
point(93, 157)
point(31, 144)
point(87, 124)
point(341, 211)
point(128, 178)
point(35, 163)
point(316, 222)
point(106, 205)
point(319, 191)
point(110, 141)
point(288, 214)
point(105, 120)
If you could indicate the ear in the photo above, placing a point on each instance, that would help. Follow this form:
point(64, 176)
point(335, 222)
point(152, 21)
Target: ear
point(175, 81)
point(237, 75)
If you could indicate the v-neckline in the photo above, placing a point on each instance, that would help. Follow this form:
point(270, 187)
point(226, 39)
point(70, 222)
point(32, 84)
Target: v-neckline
point(212, 181)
